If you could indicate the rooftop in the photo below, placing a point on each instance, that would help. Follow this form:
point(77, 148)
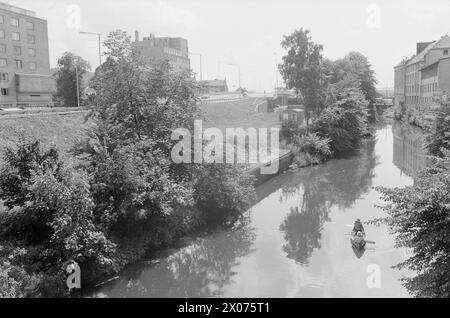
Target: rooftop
point(18, 10)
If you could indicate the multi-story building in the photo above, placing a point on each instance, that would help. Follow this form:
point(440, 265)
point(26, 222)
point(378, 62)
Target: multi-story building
point(24, 59)
point(155, 49)
point(215, 86)
point(424, 76)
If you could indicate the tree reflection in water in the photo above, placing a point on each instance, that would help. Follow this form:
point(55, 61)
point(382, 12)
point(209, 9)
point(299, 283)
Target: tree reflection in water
point(204, 267)
point(201, 269)
point(339, 182)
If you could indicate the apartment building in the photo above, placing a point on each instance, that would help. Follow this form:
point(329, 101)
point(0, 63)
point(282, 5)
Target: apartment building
point(421, 78)
point(156, 49)
point(24, 59)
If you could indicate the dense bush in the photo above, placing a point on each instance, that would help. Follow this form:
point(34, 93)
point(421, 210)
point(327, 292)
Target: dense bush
point(398, 113)
point(420, 216)
point(223, 192)
point(50, 214)
point(310, 150)
point(440, 138)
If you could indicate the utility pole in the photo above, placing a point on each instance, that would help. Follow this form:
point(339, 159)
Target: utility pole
point(78, 83)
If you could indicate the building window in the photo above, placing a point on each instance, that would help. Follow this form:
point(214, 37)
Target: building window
point(15, 22)
point(31, 39)
point(31, 52)
point(2, 34)
point(2, 48)
point(32, 66)
point(2, 19)
point(17, 50)
point(5, 92)
point(445, 52)
point(15, 36)
point(4, 77)
point(3, 63)
point(30, 25)
point(19, 64)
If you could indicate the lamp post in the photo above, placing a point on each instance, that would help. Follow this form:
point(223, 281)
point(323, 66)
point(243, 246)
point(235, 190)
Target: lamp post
point(99, 44)
point(201, 70)
point(239, 72)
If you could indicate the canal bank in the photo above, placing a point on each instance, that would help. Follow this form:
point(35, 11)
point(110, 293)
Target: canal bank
point(293, 242)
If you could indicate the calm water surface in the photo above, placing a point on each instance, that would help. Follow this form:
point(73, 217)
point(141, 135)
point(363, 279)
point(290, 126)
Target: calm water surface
point(295, 240)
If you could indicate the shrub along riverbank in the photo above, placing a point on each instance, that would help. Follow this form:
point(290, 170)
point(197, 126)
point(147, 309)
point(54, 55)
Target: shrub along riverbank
point(420, 216)
point(118, 195)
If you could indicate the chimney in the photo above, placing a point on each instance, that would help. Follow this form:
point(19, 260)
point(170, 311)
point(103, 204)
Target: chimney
point(136, 36)
point(422, 46)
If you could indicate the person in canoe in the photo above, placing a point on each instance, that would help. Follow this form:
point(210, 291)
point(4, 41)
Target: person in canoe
point(358, 227)
point(358, 239)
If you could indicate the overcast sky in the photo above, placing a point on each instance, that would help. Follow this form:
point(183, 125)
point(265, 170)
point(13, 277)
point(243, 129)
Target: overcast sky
point(249, 32)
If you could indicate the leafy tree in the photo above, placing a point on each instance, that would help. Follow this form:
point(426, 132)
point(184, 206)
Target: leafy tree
point(136, 186)
point(420, 216)
point(136, 101)
point(66, 78)
point(358, 67)
point(344, 121)
point(302, 70)
point(439, 140)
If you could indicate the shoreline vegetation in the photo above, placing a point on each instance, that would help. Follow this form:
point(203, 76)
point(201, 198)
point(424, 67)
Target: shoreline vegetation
point(116, 195)
point(113, 195)
point(419, 215)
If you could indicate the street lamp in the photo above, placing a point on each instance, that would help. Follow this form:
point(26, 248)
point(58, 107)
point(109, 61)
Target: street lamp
point(99, 44)
point(201, 71)
point(239, 72)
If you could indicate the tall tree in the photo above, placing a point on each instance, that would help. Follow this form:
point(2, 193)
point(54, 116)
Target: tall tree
point(69, 65)
point(302, 71)
point(357, 65)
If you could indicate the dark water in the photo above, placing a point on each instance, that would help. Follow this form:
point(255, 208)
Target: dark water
point(295, 240)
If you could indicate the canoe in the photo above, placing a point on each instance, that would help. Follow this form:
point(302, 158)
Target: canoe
point(358, 242)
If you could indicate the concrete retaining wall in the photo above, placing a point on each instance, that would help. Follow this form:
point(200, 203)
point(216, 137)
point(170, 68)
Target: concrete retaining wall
point(285, 161)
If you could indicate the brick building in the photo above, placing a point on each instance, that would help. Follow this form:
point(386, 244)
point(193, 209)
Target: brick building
point(24, 59)
point(418, 80)
point(155, 49)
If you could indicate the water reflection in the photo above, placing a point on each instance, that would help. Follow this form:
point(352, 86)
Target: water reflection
point(409, 153)
point(200, 269)
point(293, 243)
point(340, 182)
point(302, 234)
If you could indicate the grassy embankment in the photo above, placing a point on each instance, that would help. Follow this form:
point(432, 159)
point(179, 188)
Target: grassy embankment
point(63, 130)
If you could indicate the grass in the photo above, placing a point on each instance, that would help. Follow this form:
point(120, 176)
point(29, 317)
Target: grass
point(58, 130)
point(63, 130)
point(237, 115)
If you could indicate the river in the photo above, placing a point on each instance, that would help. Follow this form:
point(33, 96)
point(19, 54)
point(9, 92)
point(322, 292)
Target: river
point(294, 242)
